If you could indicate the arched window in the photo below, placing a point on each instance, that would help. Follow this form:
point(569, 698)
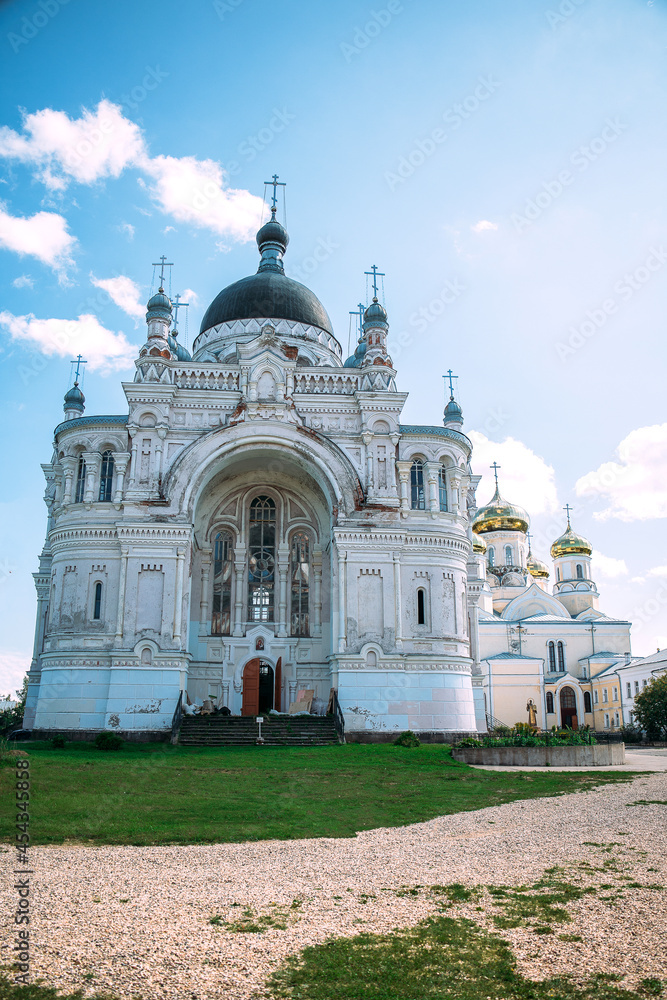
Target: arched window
point(491, 555)
point(80, 481)
point(552, 656)
point(561, 657)
point(97, 602)
point(300, 577)
point(550, 701)
point(508, 556)
point(442, 487)
point(223, 556)
point(421, 606)
point(106, 477)
point(580, 571)
point(417, 485)
point(261, 559)
point(587, 701)
point(557, 574)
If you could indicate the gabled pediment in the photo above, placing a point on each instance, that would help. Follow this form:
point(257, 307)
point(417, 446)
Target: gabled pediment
point(534, 601)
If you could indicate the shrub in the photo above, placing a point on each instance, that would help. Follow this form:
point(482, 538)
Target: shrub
point(631, 734)
point(407, 739)
point(469, 741)
point(108, 741)
point(59, 742)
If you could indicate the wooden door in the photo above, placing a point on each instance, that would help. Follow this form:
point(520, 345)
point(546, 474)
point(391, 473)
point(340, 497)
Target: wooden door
point(279, 682)
point(250, 704)
point(568, 707)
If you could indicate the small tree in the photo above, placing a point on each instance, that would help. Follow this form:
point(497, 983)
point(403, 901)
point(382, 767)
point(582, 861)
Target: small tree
point(650, 709)
point(12, 718)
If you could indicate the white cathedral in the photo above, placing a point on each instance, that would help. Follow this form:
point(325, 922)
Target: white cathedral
point(261, 522)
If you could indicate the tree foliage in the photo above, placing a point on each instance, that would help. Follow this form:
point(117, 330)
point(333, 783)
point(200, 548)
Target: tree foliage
point(650, 708)
point(12, 718)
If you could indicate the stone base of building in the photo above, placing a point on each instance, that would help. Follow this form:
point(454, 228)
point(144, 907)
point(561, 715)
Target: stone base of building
point(88, 735)
point(424, 736)
point(597, 755)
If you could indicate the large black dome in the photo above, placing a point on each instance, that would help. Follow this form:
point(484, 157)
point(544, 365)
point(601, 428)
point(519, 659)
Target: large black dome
point(267, 295)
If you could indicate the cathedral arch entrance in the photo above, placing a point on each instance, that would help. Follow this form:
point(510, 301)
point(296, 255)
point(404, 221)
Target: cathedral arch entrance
point(258, 687)
point(568, 708)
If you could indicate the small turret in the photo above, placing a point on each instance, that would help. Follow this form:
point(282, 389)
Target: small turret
point(74, 404)
point(453, 415)
point(574, 586)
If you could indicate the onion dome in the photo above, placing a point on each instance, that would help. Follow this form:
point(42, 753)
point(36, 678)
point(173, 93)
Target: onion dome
point(571, 544)
point(74, 399)
point(453, 413)
point(537, 568)
point(375, 315)
point(478, 544)
point(356, 360)
point(159, 306)
point(182, 353)
point(269, 294)
point(499, 515)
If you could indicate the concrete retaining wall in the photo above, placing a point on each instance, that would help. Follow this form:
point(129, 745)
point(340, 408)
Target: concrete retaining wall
point(597, 755)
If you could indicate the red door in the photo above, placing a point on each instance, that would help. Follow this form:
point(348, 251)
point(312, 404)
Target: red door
point(250, 704)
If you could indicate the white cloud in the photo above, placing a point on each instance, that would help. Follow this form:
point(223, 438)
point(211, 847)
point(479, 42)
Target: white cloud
point(127, 228)
point(191, 297)
point(525, 478)
point(483, 224)
point(637, 579)
point(105, 350)
point(608, 566)
point(23, 281)
point(168, 229)
point(658, 571)
point(43, 236)
point(101, 143)
point(634, 487)
point(193, 191)
point(13, 666)
point(124, 292)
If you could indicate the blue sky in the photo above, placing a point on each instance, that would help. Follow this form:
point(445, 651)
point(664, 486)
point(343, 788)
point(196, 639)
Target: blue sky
point(504, 164)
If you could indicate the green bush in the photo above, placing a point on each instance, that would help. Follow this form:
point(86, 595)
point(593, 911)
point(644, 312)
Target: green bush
point(108, 741)
point(650, 709)
point(469, 741)
point(407, 739)
point(59, 742)
point(532, 738)
point(632, 734)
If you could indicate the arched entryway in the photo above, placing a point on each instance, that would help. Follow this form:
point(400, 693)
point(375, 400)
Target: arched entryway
point(261, 687)
point(568, 708)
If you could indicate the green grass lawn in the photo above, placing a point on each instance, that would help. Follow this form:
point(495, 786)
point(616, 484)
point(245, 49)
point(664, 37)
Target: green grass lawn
point(159, 794)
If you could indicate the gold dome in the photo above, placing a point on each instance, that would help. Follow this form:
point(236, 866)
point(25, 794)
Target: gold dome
point(499, 515)
point(478, 544)
point(537, 568)
point(571, 544)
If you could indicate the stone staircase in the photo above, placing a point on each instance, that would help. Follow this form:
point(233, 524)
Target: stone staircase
point(280, 731)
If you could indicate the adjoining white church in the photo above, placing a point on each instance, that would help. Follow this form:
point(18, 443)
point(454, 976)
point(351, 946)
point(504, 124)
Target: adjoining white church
point(260, 521)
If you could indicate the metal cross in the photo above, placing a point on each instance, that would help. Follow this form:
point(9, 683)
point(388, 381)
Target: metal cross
point(375, 274)
point(450, 378)
point(275, 184)
point(162, 264)
point(78, 362)
point(567, 508)
point(530, 541)
point(359, 313)
point(495, 468)
point(176, 305)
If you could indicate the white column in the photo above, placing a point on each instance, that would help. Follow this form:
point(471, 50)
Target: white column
point(203, 600)
point(239, 568)
point(93, 460)
point(398, 608)
point(455, 477)
point(120, 460)
point(367, 437)
point(124, 553)
point(283, 567)
point(404, 480)
point(432, 469)
point(132, 431)
point(316, 564)
point(159, 450)
point(178, 598)
point(342, 601)
point(69, 464)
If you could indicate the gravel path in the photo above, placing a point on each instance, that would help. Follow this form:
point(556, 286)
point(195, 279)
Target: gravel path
point(136, 919)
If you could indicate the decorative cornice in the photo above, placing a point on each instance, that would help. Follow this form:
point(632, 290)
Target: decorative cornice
point(418, 430)
point(114, 420)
